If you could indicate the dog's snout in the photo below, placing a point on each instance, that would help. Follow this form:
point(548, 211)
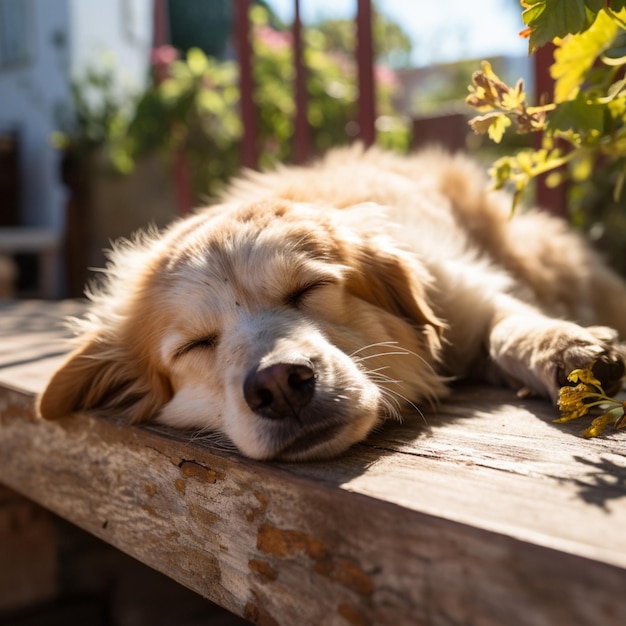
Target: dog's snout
point(279, 390)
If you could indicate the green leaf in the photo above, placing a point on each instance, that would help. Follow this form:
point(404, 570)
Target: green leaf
point(211, 102)
point(500, 172)
point(617, 108)
point(574, 56)
point(548, 19)
point(493, 123)
point(580, 115)
point(197, 61)
point(498, 128)
point(615, 54)
point(619, 185)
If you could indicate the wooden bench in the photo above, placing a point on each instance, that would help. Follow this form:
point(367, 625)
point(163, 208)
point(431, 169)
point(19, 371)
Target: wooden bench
point(44, 243)
point(489, 514)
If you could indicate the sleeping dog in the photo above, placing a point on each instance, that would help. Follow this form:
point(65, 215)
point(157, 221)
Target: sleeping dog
point(312, 303)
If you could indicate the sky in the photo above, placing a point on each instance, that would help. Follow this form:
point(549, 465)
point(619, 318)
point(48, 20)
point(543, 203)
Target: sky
point(441, 30)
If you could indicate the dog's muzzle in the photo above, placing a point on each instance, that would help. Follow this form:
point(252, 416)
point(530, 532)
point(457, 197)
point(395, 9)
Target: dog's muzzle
point(280, 390)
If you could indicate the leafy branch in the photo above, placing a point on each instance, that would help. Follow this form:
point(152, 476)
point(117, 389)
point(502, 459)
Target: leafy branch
point(586, 120)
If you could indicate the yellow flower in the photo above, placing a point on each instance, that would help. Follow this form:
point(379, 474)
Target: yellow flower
point(615, 416)
point(585, 376)
point(574, 402)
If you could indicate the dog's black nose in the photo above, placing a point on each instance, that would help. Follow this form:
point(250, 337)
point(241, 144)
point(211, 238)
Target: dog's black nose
point(280, 390)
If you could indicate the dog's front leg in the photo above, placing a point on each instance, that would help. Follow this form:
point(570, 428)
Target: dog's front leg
point(538, 352)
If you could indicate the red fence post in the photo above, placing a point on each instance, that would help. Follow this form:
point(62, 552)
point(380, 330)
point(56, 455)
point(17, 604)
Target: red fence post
point(161, 37)
point(553, 199)
point(249, 156)
point(159, 21)
point(365, 61)
point(301, 130)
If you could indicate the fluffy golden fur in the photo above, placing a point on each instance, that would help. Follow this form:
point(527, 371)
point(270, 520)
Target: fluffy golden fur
point(314, 302)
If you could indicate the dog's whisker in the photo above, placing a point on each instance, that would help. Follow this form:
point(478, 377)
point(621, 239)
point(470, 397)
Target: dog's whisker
point(399, 350)
point(392, 395)
point(391, 407)
point(372, 345)
point(379, 354)
point(377, 377)
point(399, 396)
point(215, 438)
point(393, 346)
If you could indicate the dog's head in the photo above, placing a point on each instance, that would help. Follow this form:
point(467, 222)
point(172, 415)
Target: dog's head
point(292, 329)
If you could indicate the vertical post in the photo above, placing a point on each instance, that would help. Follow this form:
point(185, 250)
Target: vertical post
point(244, 52)
point(159, 25)
point(553, 199)
point(365, 62)
point(301, 131)
point(160, 62)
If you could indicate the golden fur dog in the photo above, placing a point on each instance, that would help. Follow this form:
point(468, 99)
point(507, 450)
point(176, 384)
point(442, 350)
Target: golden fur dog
point(315, 302)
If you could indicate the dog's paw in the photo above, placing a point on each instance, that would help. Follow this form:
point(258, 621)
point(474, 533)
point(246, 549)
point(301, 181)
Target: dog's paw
point(608, 368)
point(536, 354)
point(577, 349)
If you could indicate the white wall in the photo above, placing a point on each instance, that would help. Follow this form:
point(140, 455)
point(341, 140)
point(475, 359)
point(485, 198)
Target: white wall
point(65, 36)
point(118, 28)
point(30, 93)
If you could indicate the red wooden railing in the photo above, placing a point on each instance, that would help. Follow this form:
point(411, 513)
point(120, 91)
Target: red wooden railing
point(552, 198)
point(249, 151)
point(301, 148)
point(365, 61)
point(365, 64)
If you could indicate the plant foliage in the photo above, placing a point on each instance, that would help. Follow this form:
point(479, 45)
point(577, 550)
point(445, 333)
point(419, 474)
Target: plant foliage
point(585, 121)
point(192, 108)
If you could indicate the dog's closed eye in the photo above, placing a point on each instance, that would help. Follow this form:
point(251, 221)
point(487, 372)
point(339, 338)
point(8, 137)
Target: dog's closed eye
point(208, 342)
point(296, 297)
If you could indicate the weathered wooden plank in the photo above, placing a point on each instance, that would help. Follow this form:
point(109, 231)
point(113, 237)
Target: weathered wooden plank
point(33, 340)
point(492, 514)
point(34, 317)
point(491, 460)
point(267, 543)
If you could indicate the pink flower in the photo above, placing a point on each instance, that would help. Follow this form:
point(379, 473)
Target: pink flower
point(163, 55)
point(384, 75)
point(273, 38)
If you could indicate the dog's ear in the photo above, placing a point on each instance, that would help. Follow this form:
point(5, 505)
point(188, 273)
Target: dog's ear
point(389, 277)
point(101, 377)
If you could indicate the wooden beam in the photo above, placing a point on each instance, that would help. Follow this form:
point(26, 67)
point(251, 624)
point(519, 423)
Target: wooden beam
point(553, 199)
point(301, 130)
point(249, 150)
point(160, 29)
point(365, 63)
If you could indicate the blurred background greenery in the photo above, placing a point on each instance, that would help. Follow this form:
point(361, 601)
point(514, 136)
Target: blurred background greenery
point(191, 103)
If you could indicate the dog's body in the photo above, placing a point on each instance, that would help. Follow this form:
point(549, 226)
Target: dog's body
point(315, 302)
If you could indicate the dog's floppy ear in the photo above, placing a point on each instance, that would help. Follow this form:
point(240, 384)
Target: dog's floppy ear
point(389, 277)
point(98, 376)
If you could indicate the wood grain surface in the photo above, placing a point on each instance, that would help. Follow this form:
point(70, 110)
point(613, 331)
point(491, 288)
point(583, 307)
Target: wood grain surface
point(484, 512)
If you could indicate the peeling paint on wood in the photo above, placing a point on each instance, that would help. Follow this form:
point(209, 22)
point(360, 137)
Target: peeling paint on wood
point(192, 469)
point(286, 543)
point(263, 568)
point(352, 615)
point(255, 512)
point(258, 615)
